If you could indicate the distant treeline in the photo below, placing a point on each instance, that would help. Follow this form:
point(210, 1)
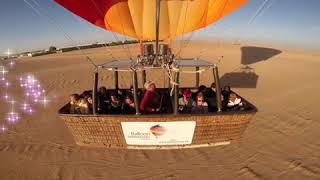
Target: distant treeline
point(53, 49)
point(96, 45)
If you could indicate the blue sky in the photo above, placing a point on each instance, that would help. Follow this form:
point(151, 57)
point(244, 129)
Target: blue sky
point(292, 23)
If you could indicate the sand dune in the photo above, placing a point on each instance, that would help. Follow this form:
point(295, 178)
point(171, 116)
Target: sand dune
point(280, 143)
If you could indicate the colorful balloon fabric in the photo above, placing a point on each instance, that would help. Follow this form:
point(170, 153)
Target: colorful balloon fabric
point(137, 18)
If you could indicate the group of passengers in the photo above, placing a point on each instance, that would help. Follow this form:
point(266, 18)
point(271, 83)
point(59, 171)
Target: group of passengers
point(204, 100)
point(122, 102)
point(108, 103)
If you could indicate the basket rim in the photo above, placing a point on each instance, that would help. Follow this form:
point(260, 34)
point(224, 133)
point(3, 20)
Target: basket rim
point(230, 113)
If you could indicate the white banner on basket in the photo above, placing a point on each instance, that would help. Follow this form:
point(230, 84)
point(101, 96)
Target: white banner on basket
point(158, 133)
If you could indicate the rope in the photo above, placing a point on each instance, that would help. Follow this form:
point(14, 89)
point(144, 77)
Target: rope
point(119, 15)
point(113, 34)
point(94, 30)
point(184, 24)
point(53, 22)
point(120, 70)
point(171, 80)
point(258, 12)
point(191, 72)
point(265, 5)
point(261, 9)
point(186, 44)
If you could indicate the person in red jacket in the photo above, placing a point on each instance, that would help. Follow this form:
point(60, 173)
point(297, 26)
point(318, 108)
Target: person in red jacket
point(151, 100)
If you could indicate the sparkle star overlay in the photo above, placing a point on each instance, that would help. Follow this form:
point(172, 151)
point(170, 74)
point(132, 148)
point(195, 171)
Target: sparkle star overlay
point(33, 95)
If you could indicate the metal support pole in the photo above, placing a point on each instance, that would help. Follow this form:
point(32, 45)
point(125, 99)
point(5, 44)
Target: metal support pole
point(157, 28)
point(116, 79)
point(144, 77)
point(176, 93)
point(95, 93)
point(135, 91)
point(218, 89)
point(197, 77)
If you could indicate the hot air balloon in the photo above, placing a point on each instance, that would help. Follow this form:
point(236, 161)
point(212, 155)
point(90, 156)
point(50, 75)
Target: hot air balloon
point(155, 21)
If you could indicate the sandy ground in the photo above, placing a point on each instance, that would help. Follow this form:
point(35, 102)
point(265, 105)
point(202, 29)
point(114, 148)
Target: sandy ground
point(282, 142)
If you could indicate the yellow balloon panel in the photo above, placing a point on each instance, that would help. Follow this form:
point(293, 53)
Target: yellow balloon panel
point(137, 18)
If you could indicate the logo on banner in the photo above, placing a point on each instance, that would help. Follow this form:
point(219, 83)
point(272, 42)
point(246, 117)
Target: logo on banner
point(157, 130)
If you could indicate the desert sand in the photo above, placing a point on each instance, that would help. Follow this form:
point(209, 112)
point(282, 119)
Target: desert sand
point(281, 142)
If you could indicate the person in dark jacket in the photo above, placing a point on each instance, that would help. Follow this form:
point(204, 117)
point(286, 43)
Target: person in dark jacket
point(115, 104)
point(128, 107)
point(225, 94)
point(211, 98)
point(151, 100)
point(103, 100)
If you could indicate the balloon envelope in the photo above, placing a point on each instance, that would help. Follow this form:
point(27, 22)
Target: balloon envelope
point(137, 18)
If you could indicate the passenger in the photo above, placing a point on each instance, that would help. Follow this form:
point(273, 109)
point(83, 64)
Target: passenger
point(103, 93)
point(200, 106)
point(74, 104)
point(201, 89)
point(115, 104)
point(139, 92)
point(211, 92)
point(128, 107)
point(225, 94)
point(185, 102)
point(130, 91)
point(103, 100)
point(121, 94)
point(234, 103)
point(90, 101)
point(151, 101)
point(87, 107)
point(86, 93)
point(211, 98)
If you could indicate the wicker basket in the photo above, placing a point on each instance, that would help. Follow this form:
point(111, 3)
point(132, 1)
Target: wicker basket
point(105, 130)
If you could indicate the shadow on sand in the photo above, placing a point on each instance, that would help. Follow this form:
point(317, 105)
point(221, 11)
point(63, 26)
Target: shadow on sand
point(245, 77)
point(251, 54)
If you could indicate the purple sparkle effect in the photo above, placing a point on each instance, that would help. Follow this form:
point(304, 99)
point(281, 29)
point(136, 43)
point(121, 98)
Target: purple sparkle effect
point(32, 88)
point(3, 128)
point(32, 96)
point(26, 108)
point(12, 117)
point(6, 96)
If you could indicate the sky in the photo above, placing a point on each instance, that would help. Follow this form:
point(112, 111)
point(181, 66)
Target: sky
point(289, 23)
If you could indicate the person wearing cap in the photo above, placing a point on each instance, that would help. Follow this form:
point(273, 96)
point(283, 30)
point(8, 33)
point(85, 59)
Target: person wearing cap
point(185, 102)
point(151, 100)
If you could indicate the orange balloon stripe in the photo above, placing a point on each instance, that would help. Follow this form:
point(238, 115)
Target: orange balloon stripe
point(136, 18)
